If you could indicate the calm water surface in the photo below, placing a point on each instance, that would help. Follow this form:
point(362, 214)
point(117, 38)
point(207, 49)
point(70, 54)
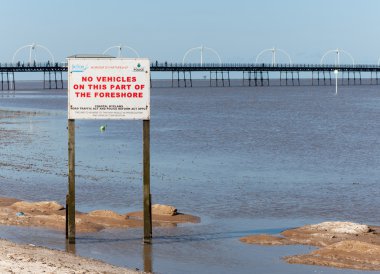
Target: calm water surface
point(246, 160)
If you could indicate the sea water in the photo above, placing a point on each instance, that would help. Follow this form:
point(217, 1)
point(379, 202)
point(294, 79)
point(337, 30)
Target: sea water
point(245, 159)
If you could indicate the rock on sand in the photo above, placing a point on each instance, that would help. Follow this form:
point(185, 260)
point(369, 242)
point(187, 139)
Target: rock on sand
point(164, 210)
point(40, 206)
point(340, 227)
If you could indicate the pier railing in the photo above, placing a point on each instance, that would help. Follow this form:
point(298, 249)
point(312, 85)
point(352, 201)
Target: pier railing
point(164, 66)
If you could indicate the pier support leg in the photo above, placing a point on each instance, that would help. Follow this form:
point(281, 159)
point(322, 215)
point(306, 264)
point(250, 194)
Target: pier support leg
point(318, 78)
point(8, 81)
point(330, 77)
point(49, 80)
point(55, 80)
point(286, 78)
point(14, 80)
point(61, 81)
point(298, 76)
point(292, 78)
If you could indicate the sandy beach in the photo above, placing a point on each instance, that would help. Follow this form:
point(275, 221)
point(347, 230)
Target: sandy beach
point(15, 258)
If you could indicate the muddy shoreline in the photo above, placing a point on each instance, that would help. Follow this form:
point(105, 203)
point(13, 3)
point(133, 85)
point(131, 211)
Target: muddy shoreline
point(50, 214)
point(17, 258)
point(341, 244)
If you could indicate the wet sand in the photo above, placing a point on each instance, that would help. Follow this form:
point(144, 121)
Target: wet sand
point(50, 214)
point(15, 258)
point(341, 244)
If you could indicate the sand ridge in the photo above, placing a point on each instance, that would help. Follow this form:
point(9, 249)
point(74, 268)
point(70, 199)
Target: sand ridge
point(50, 214)
point(341, 244)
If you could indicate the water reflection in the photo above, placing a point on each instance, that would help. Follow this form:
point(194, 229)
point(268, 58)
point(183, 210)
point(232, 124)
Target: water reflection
point(70, 248)
point(147, 257)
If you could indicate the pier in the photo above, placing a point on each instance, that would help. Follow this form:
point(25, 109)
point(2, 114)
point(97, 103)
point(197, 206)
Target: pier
point(264, 74)
point(217, 74)
point(52, 74)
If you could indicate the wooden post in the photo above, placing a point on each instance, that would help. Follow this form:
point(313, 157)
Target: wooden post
point(70, 209)
point(147, 258)
point(146, 183)
point(70, 248)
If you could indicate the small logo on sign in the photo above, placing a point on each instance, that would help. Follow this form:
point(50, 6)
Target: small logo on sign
point(138, 68)
point(78, 68)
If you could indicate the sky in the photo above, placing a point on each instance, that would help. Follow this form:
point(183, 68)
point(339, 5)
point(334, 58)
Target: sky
point(164, 30)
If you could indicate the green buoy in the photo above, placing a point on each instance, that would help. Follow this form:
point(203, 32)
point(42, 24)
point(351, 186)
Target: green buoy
point(102, 128)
